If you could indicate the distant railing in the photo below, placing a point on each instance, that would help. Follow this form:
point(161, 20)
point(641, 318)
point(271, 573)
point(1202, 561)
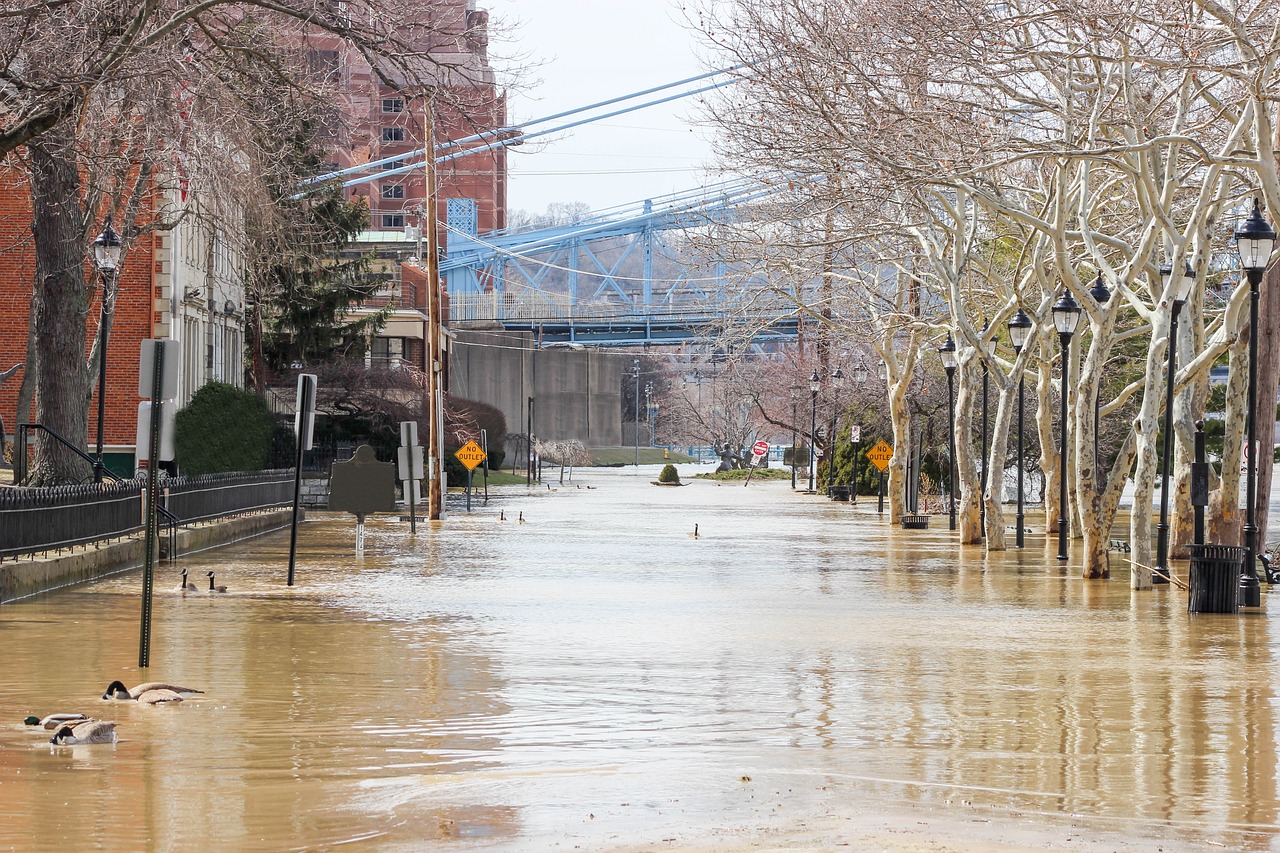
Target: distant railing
point(538, 306)
point(36, 520)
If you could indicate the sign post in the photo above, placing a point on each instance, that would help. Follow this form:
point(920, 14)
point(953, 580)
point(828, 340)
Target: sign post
point(470, 455)
point(409, 457)
point(880, 455)
point(158, 382)
point(304, 426)
point(855, 435)
point(759, 450)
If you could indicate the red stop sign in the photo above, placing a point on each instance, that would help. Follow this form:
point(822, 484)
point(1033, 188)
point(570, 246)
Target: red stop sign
point(760, 448)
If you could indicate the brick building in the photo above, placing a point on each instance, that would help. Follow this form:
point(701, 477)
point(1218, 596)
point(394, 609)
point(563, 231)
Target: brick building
point(184, 284)
point(382, 122)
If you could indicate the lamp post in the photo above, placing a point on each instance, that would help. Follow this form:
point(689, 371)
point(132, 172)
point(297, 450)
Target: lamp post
point(1019, 331)
point(1255, 239)
point(837, 382)
point(635, 379)
point(1102, 295)
point(982, 504)
point(1066, 316)
point(648, 408)
point(1182, 289)
point(947, 352)
point(106, 253)
point(815, 383)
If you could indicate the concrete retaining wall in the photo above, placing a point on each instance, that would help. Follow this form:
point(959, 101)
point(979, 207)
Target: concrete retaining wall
point(28, 577)
point(577, 393)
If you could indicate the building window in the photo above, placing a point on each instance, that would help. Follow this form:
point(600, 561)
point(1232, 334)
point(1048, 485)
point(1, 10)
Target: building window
point(393, 190)
point(394, 164)
point(387, 351)
point(393, 105)
point(393, 134)
point(392, 221)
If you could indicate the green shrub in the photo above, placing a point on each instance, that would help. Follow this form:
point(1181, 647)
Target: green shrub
point(223, 429)
point(669, 474)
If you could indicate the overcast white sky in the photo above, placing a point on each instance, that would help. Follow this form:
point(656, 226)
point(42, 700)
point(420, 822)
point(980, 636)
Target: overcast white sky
point(591, 51)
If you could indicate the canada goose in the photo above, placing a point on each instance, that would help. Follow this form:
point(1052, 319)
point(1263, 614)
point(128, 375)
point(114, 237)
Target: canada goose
point(218, 588)
point(90, 731)
point(148, 694)
point(502, 516)
point(185, 586)
point(521, 518)
point(54, 721)
point(694, 534)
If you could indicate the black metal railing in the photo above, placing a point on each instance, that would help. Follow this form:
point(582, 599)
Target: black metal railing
point(212, 496)
point(48, 519)
point(35, 520)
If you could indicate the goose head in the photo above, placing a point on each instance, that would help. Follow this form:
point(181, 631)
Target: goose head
point(63, 735)
point(116, 690)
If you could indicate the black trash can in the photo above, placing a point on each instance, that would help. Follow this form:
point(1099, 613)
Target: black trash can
point(838, 493)
point(915, 522)
point(1215, 578)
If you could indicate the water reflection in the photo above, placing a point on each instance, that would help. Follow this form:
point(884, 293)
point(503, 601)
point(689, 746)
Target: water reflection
point(596, 675)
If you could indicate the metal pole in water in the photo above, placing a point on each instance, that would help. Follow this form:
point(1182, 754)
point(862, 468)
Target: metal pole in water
point(153, 465)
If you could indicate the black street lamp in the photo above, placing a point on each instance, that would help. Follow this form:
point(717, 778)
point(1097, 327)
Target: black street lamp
point(1102, 295)
point(949, 361)
point(815, 383)
point(1255, 239)
point(1182, 289)
point(635, 379)
point(1019, 331)
point(982, 504)
point(837, 382)
point(106, 253)
point(1066, 316)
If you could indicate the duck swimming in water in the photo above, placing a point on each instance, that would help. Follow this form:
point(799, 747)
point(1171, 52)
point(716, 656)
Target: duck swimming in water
point(54, 721)
point(150, 693)
point(90, 731)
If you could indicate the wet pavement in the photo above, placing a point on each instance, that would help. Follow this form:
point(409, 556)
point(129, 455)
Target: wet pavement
point(797, 675)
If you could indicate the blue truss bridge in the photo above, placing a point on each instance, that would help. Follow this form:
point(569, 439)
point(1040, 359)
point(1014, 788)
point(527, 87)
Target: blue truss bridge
point(627, 276)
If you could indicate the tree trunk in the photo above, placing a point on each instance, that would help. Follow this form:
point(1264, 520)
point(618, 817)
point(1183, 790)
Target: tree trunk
point(1225, 519)
point(970, 511)
point(58, 229)
point(900, 419)
point(1268, 368)
point(1045, 410)
point(1005, 405)
point(1144, 477)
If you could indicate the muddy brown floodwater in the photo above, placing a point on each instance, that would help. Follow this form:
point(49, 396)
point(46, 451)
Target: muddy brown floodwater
point(798, 675)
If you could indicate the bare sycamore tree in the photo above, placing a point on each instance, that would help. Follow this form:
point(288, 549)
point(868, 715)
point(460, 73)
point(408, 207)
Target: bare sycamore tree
point(117, 108)
point(1096, 138)
point(566, 454)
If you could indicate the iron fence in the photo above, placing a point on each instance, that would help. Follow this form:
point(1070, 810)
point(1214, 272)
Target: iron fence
point(211, 496)
point(46, 519)
point(35, 520)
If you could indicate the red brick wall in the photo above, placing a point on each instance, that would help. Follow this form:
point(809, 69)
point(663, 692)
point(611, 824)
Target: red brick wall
point(133, 314)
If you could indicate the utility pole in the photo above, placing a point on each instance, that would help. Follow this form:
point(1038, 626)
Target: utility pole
point(434, 403)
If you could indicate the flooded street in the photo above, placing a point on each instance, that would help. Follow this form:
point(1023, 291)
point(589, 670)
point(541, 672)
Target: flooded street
point(799, 674)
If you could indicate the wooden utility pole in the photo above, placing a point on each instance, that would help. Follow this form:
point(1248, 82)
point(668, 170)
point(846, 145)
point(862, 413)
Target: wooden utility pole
point(433, 404)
